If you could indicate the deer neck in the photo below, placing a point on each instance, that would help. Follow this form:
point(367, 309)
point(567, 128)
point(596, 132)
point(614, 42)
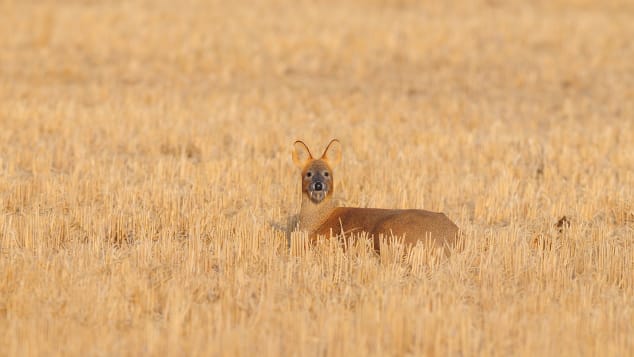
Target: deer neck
point(312, 215)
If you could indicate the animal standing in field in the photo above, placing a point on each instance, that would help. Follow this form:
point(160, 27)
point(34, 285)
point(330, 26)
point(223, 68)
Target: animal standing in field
point(319, 215)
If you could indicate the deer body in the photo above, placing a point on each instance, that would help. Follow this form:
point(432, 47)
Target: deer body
point(319, 215)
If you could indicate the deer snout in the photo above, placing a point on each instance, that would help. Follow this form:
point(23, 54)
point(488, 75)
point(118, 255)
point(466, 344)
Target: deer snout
point(319, 183)
point(318, 186)
point(317, 190)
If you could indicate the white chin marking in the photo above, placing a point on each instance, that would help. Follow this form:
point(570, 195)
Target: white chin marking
point(317, 196)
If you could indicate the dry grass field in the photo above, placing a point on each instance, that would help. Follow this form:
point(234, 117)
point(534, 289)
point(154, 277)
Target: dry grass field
point(146, 180)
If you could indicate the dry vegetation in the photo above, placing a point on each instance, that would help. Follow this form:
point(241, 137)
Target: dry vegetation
point(146, 179)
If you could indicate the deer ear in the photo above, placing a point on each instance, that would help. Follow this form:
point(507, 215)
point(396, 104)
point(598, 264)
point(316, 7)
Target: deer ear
point(332, 154)
point(301, 154)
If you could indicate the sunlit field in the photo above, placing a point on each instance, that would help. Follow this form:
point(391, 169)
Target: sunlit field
point(148, 195)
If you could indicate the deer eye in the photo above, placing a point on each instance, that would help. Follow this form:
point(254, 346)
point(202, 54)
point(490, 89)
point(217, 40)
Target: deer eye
point(326, 173)
point(309, 174)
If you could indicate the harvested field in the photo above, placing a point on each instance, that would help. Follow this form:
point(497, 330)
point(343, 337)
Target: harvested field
point(146, 180)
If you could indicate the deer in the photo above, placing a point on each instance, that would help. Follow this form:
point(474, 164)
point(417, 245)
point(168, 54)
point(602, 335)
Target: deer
point(320, 216)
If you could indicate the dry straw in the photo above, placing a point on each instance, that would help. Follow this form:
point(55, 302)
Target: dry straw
point(147, 186)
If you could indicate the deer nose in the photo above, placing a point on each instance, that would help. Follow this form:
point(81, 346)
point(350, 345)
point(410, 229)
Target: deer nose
point(318, 186)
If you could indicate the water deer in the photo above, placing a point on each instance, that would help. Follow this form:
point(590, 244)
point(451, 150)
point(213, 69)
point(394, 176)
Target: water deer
point(320, 216)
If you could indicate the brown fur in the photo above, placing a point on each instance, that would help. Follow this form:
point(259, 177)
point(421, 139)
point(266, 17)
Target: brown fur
point(325, 218)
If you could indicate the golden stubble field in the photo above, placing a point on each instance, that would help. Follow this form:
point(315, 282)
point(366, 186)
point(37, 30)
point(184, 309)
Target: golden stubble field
point(146, 181)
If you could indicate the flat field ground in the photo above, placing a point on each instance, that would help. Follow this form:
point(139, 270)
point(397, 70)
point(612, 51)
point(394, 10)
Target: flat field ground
point(146, 180)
